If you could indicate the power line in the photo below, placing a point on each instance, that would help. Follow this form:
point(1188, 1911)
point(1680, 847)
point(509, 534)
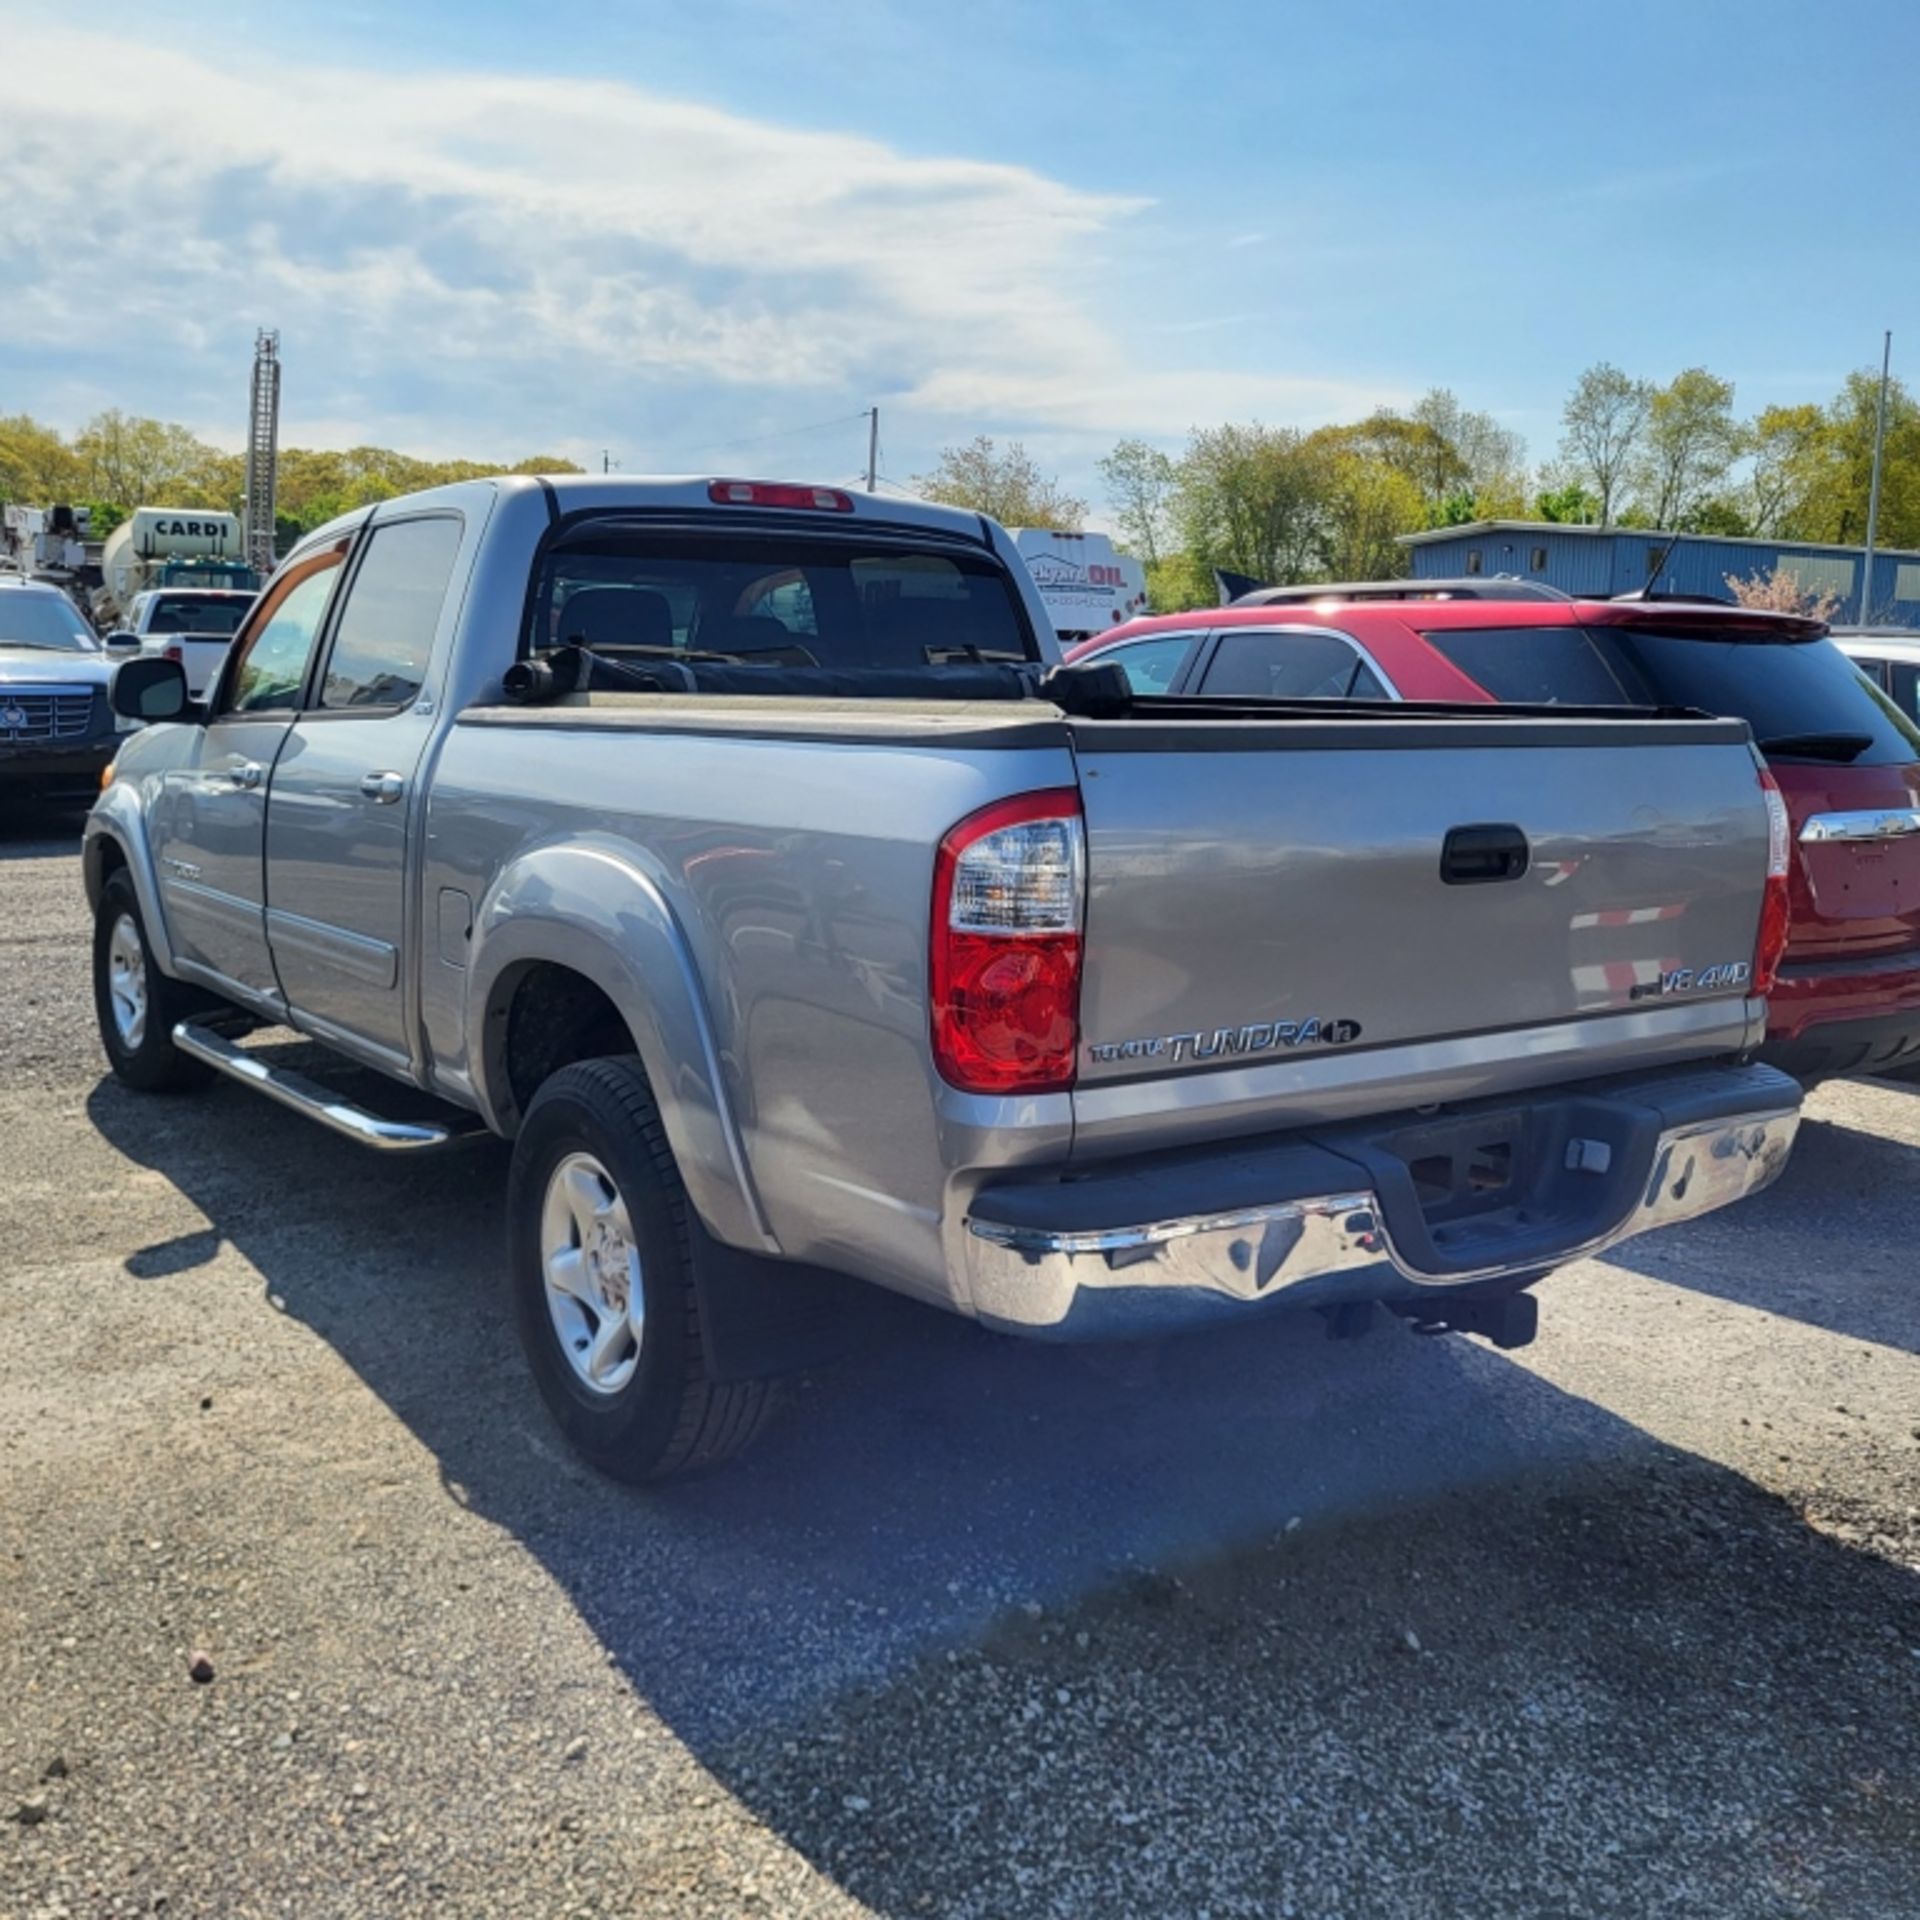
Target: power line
point(784, 433)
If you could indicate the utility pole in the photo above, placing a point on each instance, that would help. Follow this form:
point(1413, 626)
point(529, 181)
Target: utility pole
point(1873, 492)
point(873, 449)
point(606, 459)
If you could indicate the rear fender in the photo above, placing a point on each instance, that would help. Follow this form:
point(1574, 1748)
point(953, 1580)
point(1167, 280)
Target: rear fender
point(118, 824)
point(590, 906)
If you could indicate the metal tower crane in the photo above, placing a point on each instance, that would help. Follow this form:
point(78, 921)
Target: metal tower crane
point(263, 450)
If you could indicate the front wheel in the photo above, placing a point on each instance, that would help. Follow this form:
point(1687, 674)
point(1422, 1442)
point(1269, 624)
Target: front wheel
point(601, 1267)
point(135, 1003)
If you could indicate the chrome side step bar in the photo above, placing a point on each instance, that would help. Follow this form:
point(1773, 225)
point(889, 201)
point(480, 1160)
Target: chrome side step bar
point(306, 1096)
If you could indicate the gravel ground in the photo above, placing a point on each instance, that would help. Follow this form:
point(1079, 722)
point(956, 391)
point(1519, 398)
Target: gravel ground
point(1628, 1624)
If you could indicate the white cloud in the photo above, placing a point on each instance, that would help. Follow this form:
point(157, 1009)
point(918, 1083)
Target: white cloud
point(558, 254)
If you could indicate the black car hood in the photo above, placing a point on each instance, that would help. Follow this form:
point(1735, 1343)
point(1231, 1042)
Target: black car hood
point(48, 666)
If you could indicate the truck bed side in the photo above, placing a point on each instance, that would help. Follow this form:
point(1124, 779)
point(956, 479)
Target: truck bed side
point(776, 857)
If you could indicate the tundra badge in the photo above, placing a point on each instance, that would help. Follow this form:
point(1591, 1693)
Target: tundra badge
point(1265, 1036)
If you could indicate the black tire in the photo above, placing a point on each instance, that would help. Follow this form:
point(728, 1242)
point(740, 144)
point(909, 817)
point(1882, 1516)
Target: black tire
point(152, 1062)
point(669, 1417)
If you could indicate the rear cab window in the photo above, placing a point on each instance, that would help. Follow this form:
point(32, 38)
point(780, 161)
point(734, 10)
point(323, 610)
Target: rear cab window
point(215, 615)
point(778, 599)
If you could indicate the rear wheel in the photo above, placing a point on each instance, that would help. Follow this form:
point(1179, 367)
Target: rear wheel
point(601, 1268)
point(135, 1003)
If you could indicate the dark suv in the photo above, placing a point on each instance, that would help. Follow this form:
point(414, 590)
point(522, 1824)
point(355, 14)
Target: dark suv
point(1846, 758)
point(57, 732)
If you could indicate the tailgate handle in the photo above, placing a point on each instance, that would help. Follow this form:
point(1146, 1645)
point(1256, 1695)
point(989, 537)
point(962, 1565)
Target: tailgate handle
point(1474, 855)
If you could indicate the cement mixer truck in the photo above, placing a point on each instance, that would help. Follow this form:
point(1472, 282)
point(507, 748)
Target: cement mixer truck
point(170, 547)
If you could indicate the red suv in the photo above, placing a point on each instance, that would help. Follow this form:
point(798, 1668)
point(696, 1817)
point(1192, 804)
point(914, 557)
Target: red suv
point(1846, 758)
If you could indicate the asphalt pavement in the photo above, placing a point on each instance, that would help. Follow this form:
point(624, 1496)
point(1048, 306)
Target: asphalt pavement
point(1257, 1624)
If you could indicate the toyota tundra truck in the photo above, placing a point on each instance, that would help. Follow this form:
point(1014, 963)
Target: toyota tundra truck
point(742, 854)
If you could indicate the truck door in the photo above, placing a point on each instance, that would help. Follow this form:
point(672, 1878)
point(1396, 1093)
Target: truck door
point(209, 823)
point(345, 792)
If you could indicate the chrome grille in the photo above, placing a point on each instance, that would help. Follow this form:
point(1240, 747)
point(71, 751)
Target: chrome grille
point(45, 713)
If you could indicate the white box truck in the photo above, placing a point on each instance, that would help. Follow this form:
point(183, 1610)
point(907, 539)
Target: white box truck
point(1086, 585)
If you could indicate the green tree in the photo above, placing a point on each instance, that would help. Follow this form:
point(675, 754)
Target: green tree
point(1252, 499)
point(1786, 447)
point(1605, 419)
point(103, 516)
point(142, 462)
point(1140, 481)
point(37, 467)
point(1492, 459)
point(1177, 581)
point(1416, 449)
point(1368, 503)
point(1690, 442)
point(1570, 506)
point(1007, 486)
point(1838, 469)
point(1721, 514)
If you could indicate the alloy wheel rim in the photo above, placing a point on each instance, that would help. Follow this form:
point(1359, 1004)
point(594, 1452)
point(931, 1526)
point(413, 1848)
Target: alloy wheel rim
point(127, 982)
point(592, 1271)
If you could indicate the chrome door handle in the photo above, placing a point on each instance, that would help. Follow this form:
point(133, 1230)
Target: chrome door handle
point(246, 773)
point(383, 789)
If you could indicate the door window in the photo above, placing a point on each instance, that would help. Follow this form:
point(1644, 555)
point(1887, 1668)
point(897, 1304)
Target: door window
point(1151, 666)
point(271, 664)
point(384, 635)
point(1905, 687)
point(1292, 666)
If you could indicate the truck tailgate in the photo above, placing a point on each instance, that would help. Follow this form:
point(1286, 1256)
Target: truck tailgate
point(1272, 893)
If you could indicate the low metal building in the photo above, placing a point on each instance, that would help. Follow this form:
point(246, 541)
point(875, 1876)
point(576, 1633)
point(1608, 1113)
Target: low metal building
point(1603, 561)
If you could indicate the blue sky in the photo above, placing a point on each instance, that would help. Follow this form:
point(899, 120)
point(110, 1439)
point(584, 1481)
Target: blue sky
point(685, 233)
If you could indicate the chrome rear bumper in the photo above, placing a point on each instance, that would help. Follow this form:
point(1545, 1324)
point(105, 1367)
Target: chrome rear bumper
point(1165, 1273)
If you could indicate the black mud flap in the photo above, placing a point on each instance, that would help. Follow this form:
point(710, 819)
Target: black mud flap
point(761, 1317)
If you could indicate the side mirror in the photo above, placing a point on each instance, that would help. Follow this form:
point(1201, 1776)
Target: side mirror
point(122, 642)
point(151, 689)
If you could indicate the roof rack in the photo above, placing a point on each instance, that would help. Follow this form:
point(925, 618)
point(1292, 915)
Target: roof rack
point(1475, 587)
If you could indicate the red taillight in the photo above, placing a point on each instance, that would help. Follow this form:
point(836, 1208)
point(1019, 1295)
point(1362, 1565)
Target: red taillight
point(177, 655)
point(1004, 972)
point(763, 493)
point(1776, 908)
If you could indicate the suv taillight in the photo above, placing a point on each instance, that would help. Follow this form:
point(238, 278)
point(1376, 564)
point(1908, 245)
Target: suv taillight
point(1004, 973)
point(176, 653)
point(1776, 909)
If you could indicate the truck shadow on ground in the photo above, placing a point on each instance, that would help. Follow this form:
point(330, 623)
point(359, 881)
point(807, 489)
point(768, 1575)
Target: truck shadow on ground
point(1218, 1625)
point(1829, 1244)
point(32, 830)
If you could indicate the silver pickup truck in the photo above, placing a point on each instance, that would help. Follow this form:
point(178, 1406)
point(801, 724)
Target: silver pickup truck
point(739, 852)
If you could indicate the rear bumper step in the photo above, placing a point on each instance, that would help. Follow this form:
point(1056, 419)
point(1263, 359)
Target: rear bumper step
point(1603, 1164)
point(295, 1090)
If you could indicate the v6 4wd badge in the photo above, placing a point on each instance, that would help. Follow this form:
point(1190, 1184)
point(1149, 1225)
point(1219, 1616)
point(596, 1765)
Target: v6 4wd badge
point(1263, 1036)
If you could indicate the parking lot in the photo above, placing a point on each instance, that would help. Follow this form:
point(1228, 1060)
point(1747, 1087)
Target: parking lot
point(1625, 1624)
